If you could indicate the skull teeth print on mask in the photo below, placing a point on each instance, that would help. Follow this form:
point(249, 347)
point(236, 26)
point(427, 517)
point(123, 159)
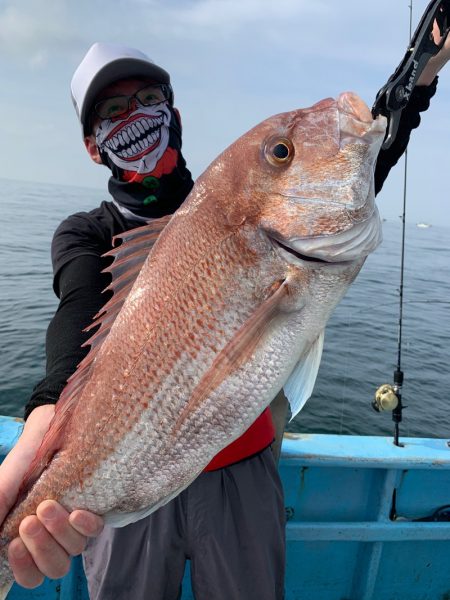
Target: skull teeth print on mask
point(138, 141)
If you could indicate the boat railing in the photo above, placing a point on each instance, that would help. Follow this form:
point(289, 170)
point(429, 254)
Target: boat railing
point(365, 519)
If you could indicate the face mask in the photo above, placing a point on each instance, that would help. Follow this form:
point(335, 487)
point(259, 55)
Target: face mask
point(143, 152)
point(136, 144)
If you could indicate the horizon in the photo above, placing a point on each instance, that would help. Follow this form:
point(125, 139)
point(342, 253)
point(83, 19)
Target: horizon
point(384, 218)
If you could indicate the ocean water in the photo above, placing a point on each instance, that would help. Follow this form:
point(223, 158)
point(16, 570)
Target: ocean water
point(360, 350)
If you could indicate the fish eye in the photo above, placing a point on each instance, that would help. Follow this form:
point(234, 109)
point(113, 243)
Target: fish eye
point(281, 151)
point(278, 151)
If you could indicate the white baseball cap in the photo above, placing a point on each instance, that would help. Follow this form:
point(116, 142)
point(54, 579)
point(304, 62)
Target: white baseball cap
point(103, 64)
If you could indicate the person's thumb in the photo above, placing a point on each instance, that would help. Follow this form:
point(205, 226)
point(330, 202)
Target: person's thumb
point(16, 464)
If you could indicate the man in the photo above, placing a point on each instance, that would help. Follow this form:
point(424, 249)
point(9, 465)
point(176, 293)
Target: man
point(230, 520)
point(125, 106)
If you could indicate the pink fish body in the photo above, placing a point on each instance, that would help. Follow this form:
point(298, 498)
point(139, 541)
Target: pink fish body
point(229, 307)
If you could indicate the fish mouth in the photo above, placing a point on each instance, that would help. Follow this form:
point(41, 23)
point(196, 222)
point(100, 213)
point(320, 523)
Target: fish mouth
point(356, 121)
point(354, 243)
point(295, 253)
point(351, 104)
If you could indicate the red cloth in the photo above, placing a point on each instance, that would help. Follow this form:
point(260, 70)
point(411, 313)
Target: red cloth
point(164, 166)
point(257, 437)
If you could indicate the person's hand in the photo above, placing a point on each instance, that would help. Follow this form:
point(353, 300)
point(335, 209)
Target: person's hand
point(48, 539)
point(435, 64)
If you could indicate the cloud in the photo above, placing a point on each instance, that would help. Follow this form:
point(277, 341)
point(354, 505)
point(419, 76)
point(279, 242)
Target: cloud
point(38, 59)
point(233, 63)
point(31, 32)
point(235, 14)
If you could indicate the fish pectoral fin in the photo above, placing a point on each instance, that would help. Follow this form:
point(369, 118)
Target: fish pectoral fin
point(299, 387)
point(237, 351)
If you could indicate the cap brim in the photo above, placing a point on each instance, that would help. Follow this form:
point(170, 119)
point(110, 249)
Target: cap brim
point(122, 68)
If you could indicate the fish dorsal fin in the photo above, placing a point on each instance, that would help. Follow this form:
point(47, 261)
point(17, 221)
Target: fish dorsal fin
point(128, 260)
point(299, 387)
point(237, 351)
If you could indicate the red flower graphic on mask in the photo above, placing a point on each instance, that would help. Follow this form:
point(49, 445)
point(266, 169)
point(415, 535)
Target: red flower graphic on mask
point(164, 166)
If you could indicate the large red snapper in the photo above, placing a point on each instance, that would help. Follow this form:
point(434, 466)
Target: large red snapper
point(229, 307)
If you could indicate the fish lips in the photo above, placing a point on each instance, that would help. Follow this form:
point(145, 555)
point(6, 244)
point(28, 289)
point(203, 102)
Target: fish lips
point(356, 121)
point(349, 245)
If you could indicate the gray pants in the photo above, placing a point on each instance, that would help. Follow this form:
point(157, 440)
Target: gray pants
point(229, 523)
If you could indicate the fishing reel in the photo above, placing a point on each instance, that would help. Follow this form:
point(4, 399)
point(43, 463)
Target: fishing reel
point(385, 398)
point(389, 397)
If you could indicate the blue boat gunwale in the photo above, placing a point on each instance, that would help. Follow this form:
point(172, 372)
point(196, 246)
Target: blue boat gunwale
point(312, 466)
point(324, 449)
point(366, 451)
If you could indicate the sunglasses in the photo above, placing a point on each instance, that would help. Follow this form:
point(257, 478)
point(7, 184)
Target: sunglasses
point(115, 106)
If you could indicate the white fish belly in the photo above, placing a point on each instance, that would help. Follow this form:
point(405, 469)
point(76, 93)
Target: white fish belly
point(155, 460)
point(152, 464)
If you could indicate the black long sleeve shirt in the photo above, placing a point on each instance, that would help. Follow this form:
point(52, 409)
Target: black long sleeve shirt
point(82, 239)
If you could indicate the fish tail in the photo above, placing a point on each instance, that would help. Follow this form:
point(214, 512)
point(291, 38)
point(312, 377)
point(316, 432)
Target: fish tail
point(6, 575)
point(4, 589)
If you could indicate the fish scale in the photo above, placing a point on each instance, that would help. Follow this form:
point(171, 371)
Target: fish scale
point(229, 305)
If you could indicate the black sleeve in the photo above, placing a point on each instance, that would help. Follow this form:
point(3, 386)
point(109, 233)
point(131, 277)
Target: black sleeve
point(80, 284)
point(79, 235)
point(410, 119)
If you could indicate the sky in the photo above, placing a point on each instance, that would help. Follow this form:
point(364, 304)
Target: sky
point(232, 63)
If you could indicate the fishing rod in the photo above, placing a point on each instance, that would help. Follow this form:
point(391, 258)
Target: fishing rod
point(390, 102)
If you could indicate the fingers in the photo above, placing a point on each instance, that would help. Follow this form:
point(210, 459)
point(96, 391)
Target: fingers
point(23, 566)
point(11, 472)
point(55, 519)
point(436, 33)
point(435, 64)
point(86, 523)
point(48, 540)
point(18, 460)
point(49, 557)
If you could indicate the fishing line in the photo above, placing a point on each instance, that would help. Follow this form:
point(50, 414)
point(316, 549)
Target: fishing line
point(389, 397)
point(346, 373)
point(402, 261)
point(398, 373)
point(345, 385)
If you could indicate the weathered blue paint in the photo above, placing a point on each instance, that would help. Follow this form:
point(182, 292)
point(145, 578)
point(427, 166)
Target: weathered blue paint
point(367, 451)
point(10, 429)
point(342, 543)
point(367, 531)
